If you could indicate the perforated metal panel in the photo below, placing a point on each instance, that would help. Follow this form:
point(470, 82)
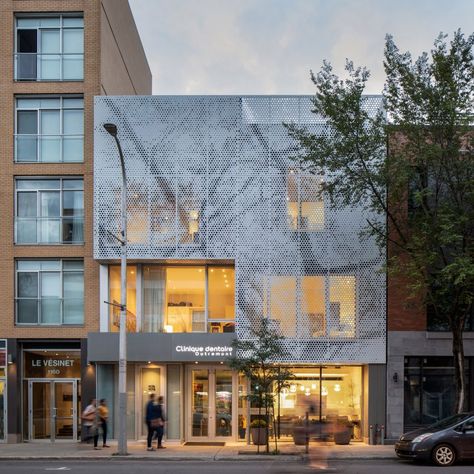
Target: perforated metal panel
point(211, 178)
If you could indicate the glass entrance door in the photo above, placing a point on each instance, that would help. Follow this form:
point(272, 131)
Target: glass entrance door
point(53, 410)
point(211, 404)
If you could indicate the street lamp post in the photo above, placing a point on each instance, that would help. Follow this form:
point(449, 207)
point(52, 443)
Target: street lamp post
point(122, 414)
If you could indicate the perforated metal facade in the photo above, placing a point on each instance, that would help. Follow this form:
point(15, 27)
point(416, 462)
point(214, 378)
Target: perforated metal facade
point(211, 178)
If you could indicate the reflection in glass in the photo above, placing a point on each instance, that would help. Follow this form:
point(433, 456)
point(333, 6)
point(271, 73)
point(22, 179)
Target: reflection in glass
point(64, 416)
point(223, 403)
point(200, 403)
point(41, 410)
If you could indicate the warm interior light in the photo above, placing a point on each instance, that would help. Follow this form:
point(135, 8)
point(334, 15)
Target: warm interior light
point(337, 387)
point(168, 328)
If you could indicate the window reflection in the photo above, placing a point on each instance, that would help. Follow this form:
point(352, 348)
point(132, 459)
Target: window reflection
point(114, 298)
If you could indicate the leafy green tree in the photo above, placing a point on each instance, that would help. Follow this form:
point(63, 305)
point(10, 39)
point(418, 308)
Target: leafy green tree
point(259, 358)
point(411, 166)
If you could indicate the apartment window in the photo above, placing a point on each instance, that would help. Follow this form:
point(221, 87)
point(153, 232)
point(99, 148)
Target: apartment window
point(300, 308)
point(49, 292)
point(49, 211)
point(439, 323)
point(49, 48)
point(175, 298)
point(49, 129)
point(305, 207)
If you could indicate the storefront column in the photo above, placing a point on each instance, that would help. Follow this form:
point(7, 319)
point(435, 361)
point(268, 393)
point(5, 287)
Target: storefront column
point(374, 379)
point(88, 377)
point(13, 393)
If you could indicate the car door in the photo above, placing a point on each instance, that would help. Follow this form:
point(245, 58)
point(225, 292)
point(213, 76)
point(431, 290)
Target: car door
point(466, 438)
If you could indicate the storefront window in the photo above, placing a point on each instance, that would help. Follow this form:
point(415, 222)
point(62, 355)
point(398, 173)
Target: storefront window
point(221, 299)
point(329, 394)
point(173, 402)
point(430, 389)
point(114, 297)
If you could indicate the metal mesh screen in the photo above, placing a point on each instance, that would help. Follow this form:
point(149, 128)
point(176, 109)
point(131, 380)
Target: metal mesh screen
point(211, 178)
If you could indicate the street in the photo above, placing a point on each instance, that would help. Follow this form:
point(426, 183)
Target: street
point(394, 466)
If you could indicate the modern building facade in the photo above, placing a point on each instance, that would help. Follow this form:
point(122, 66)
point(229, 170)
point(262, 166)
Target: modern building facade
point(225, 228)
point(55, 57)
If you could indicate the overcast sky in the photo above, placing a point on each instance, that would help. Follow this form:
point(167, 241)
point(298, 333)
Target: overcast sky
point(269, 46)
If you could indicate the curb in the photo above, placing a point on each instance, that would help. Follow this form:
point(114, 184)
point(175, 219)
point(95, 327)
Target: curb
point(281, 457)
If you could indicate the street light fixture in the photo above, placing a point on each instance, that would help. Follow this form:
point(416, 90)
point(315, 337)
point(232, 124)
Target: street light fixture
point(111, 129)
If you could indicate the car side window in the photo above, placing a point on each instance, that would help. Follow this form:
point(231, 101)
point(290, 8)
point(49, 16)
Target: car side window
point(469, 426)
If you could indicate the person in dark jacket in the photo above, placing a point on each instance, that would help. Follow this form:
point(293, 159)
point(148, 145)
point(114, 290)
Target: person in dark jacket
point(155, 420)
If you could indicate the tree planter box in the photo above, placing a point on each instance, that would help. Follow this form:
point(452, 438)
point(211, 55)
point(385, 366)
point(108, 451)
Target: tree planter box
point(259, 436)
point(343, 436)
point(299, 435)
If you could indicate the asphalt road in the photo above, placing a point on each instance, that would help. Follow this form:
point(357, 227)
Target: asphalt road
point(236, 467)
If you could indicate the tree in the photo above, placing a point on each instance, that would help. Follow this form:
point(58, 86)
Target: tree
point(421, 190)
point(259, 359)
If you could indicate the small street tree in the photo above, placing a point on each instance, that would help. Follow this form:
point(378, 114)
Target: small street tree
point(422, 189)
point(259, 359)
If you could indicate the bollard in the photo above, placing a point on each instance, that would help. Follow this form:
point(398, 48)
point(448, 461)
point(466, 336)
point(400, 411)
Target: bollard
point(382, 434)
point(371, 434)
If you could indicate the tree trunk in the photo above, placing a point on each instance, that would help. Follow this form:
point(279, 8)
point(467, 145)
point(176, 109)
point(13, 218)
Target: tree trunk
point(460, 380)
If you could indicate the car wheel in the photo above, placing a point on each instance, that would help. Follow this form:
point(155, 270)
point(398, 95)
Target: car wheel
point(444, 455)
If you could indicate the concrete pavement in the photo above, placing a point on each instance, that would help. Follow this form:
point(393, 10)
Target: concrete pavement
point(176, 452)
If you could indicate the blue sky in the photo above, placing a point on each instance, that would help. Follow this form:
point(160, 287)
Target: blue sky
point(269, 46)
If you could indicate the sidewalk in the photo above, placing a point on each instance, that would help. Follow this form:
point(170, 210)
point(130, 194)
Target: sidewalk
point(175, 452)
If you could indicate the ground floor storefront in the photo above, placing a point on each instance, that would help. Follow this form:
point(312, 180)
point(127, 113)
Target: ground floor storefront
point(206, 401)
point(45, 385)
point(421, 387)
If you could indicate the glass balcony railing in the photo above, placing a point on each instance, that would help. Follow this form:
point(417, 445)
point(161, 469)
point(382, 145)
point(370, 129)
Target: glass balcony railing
point(47, 230)
point(49, 67)
point(49, 148)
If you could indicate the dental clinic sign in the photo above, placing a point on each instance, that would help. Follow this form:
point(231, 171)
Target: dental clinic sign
point(205, 351)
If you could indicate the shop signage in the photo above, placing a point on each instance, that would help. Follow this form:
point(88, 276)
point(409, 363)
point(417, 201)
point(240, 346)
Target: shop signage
point(206, 351)
point(51, 364)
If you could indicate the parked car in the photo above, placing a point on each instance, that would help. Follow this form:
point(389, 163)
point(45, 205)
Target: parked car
point(444, 442)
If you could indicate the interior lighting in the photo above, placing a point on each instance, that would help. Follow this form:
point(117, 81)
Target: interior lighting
point(292, 388)
point(302, 388)
point(337, 387)
point(324, 391)
point(313, 386)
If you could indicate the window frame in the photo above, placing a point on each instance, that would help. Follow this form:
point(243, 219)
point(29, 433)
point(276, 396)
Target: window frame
point(61, 27)
point(39, 298)
point(39, 135)
point(38, 218)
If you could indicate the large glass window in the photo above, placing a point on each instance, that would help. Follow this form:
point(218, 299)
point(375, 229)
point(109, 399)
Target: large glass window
point(3, 388)
point(430, 389)
point(305, 207)
point(177, 298)
point(50, 292)
point(328, 394)
point(300, 308)
point(49, 129)
point(49, 211)
point(49, 48)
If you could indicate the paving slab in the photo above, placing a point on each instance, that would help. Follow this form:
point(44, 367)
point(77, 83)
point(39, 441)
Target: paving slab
point(174, 451)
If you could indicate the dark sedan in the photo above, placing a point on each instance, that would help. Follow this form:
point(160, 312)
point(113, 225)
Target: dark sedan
point(444, 443)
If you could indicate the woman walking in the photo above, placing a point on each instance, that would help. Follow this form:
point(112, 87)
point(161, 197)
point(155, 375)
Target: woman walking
point(89, 421)
point(103, 418)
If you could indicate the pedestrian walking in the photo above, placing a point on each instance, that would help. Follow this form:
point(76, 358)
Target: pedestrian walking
point(103, 412)
point(155, 420)
point(89, 421)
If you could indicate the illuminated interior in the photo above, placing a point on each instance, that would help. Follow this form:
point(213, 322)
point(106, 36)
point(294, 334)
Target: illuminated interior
point(330, 394)
point(114, 298)
point(174, 298)
point(311, 314)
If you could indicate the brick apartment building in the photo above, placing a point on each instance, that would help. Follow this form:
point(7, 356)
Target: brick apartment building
point(55, 57)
